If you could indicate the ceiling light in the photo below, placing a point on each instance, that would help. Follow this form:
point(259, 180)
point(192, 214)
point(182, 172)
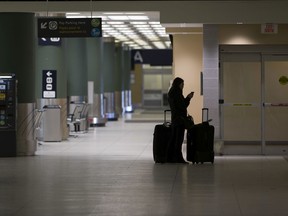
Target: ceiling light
point(114, 23)
point(159, 45)
point(121, 26)
point(147, 47)
point(128, 31)
point(111, 13)
point(141, 42)
point(75, 16)
point(118, 17)
point(73, 13)
point(134, 13)
point(142, 26)
point(146, 31)
point(152, 37)
point(138, 18)
point(157, 26)
point(138, 23)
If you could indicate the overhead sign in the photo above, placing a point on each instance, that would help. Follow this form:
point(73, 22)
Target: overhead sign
point(49, 83)
point(154, 57)
point(49, 41)
point(68, 27)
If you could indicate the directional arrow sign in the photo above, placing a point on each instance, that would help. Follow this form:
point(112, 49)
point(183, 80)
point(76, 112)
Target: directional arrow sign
point(43, 25)
point(49, 73)
point(69, 27)
point(49, 84)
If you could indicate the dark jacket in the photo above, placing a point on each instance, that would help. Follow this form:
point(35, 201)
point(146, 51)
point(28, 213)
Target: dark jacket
point(178, 105)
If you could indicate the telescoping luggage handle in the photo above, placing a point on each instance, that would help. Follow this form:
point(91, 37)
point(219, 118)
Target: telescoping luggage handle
point(207, 115)
point(166, 123)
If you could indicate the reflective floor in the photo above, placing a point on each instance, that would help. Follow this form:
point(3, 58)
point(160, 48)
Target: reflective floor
point(110, 171)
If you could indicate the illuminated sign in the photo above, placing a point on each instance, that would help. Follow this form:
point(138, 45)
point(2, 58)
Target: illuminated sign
point(49, 84)
point(68, 27)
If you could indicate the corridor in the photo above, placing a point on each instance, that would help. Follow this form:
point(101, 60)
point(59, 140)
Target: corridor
point(109, 171)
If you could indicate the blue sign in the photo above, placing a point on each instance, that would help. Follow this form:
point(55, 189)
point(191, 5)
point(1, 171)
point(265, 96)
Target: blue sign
point(154, 57)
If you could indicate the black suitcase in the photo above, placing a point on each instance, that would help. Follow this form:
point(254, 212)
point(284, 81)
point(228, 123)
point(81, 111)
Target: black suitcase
point(161, 137)
point(200, 141)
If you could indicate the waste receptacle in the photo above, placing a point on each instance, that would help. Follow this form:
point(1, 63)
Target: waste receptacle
point(52, 131)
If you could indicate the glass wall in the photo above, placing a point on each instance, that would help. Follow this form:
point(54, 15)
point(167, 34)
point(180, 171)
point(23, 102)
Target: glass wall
point(156, 82)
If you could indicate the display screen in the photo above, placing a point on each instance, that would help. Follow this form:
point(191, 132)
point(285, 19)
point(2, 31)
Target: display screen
point(2, 87)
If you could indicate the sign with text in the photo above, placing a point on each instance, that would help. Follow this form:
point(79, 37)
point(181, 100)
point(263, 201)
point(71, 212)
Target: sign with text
point(68, 27)
point(154, 57)
point(49, 41)
point(49, 83)
point(269, 28)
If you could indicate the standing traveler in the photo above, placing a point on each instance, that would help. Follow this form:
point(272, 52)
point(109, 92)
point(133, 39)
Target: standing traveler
point(178, 105)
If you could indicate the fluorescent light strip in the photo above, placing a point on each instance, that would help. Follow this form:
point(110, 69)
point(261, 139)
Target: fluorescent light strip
point(115, 23)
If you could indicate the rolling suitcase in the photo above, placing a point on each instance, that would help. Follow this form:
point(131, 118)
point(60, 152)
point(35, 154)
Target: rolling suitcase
point(161, 136)
point(200, 141)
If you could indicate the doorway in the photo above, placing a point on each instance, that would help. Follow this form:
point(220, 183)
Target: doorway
point(156, 82)
point(254, 99)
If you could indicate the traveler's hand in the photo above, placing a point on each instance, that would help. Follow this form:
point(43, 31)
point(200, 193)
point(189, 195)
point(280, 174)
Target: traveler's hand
point(190, 95)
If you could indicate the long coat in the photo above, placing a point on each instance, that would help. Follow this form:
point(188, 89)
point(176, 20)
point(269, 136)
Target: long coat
point(178, 105)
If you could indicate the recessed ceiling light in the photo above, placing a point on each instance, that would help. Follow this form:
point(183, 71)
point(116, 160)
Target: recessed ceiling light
point(111, 13)
point(114, 23)
point(138, 23)
point(159, 44)
point(138, 18)
point(142, 26)
point(118, 17)
point(73, 13)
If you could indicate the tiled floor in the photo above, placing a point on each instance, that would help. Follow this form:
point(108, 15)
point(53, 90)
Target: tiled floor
point(109, 171)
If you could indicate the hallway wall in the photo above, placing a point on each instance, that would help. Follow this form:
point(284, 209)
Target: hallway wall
point(187, 64)
point(188, 60)
point(251, 34)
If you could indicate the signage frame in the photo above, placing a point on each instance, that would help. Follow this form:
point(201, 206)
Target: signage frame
point(54, 27)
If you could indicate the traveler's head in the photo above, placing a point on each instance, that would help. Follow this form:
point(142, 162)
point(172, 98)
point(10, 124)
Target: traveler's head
point(178, 83)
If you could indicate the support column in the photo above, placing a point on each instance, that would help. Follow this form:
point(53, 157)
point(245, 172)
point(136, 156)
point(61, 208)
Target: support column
point(211, 74)
point(94, 58)
point(51, 57)
point(119, 64)
point(109, 79)
point(76, 69)
point(17, 54)
point(126, 90)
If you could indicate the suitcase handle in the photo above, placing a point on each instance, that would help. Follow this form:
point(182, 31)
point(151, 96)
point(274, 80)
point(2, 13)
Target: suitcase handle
point(165, 116)
point(205, 109)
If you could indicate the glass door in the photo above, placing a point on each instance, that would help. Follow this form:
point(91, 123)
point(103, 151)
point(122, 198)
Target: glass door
point(254, 102)
point(276, 103)
point(241, 99)
point(156, 81)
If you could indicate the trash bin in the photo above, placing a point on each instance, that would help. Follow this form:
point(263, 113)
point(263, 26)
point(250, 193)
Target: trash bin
point(52, 131)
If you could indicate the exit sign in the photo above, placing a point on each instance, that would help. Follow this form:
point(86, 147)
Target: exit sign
point(269, 28)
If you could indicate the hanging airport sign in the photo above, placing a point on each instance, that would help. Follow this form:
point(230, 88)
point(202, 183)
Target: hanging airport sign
point(154, 57)
point(69, 27)
point(49, 83)
point(53, 41)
